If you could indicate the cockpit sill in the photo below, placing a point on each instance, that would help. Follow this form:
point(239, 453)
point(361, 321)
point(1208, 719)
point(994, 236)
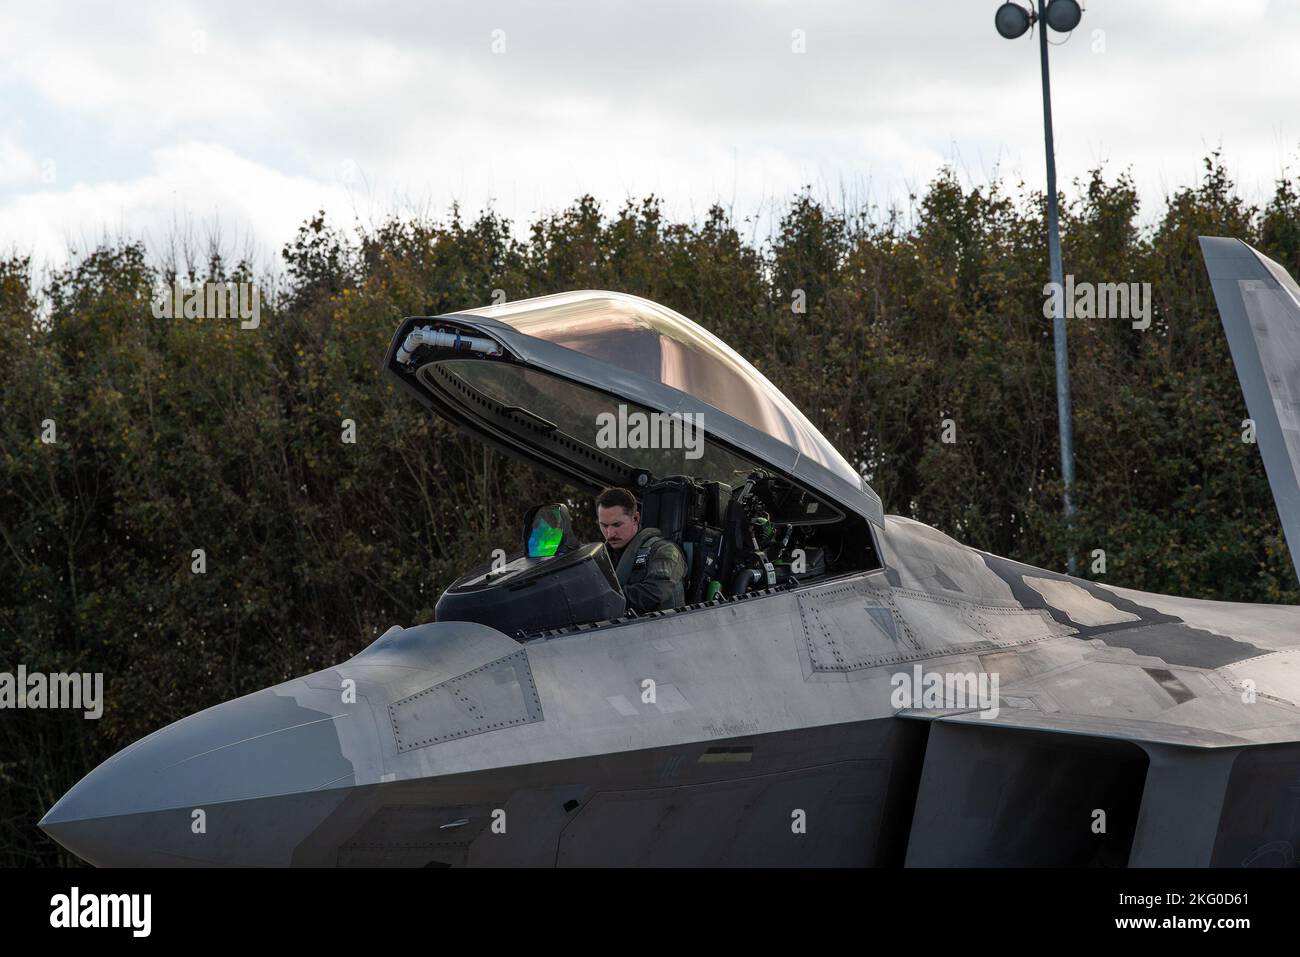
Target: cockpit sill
point(549, 634)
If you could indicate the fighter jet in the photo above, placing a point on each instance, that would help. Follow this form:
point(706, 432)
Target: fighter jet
point(841, 687)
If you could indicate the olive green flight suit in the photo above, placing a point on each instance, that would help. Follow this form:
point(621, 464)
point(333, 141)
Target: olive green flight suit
point(652, 571)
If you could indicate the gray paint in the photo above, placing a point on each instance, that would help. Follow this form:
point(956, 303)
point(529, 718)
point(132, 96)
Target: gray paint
point(1181, 806)
point(496, 695)
point(1261, 316)
point(737, 674)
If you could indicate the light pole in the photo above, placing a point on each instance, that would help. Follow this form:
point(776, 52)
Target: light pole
point(1012, 21)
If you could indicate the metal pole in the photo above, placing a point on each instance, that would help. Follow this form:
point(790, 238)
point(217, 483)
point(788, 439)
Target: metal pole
point(1058, 320)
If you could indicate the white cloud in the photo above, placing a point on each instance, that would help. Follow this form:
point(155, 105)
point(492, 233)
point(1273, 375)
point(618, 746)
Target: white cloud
point(16, 164)
point(695, 102)
point(191, 183)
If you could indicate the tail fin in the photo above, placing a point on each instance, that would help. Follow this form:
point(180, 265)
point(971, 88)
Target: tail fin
point(1259, 304)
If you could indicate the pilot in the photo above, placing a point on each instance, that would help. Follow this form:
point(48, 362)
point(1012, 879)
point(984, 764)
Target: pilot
point(651, 569)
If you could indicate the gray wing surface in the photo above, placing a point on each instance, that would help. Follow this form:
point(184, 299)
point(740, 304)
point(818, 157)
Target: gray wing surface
point(1173, 724)
point(1259, 304)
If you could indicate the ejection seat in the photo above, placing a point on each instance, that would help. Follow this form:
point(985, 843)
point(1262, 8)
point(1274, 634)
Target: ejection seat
point(689, 513)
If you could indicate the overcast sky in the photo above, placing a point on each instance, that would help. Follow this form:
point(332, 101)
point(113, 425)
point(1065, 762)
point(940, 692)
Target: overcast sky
point(256, 114)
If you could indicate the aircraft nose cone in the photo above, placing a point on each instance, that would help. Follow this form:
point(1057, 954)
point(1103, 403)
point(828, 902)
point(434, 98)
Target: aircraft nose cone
point(242, 783)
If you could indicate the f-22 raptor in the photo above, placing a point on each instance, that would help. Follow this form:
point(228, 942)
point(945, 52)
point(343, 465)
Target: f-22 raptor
point(801, 708)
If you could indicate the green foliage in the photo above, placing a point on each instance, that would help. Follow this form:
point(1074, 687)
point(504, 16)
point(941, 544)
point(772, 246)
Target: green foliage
point(175, 435)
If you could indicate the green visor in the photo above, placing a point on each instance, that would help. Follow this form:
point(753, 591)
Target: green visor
point(547, 529)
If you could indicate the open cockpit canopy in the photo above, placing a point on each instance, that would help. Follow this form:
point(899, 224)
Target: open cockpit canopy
point(609, 389)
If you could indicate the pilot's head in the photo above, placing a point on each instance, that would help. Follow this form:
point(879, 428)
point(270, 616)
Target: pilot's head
point(618, 516)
